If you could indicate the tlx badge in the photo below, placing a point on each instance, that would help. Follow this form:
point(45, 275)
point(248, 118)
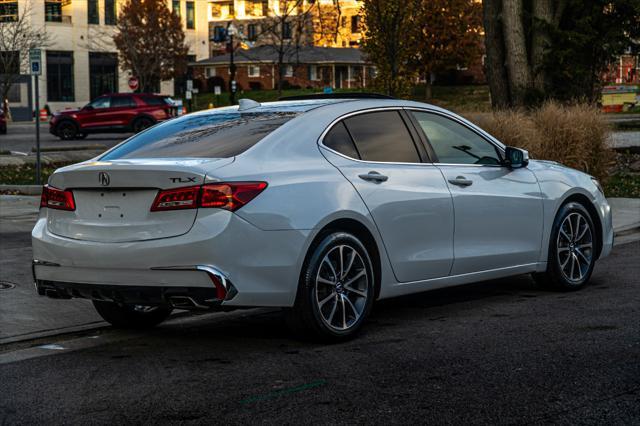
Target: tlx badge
point(183, 180)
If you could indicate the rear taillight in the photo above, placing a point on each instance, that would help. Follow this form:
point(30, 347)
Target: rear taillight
point(229, 196)
point(176, 199)
point(54, 198)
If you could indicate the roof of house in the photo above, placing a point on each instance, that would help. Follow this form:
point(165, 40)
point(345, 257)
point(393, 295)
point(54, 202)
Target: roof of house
point(301, 55)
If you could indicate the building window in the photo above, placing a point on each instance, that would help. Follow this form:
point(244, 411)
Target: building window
point(286, 30)
point(103, 73)
point(252, 32)
point(191, 15)
point(60, 87)
point(176, 7)
point(52, 11)
point(288, 71)
point(9, 11)
point(313, 73)
point(219, 34)
point(265, 8)
point(355, 23)
point(93, 14)
point(254, 71)
point(110, 12)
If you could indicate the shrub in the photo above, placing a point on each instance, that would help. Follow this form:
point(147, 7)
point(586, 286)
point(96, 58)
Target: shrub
point(574, 135)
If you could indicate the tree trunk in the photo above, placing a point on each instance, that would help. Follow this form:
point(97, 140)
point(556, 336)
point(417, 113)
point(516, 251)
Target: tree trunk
point(516, 51)
point(495, 59)
point(541, 41)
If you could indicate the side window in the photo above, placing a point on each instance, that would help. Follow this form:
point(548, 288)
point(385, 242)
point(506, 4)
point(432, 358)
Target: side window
point(122, 101)
point(339, 140)
point(453, 143)
point(153, 100)
point(101, 102)
point(382, 136)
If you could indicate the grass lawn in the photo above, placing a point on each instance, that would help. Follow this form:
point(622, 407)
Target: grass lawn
point(455, 98)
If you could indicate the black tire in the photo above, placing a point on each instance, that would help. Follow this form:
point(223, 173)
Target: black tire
point(563, 250)
point(67, 130)
point(130, 316)
point(141, 123)
point(309, 317)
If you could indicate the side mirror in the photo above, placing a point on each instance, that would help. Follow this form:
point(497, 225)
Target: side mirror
point(516, 157)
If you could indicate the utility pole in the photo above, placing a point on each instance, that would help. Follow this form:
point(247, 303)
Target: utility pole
point(231, 31)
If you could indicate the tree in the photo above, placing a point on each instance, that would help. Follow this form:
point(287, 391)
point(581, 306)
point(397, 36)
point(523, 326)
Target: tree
point(17, 36)
point(447, 33)
point(151, 42)
point(286, 31)
point(388, 44)
point(554, 48)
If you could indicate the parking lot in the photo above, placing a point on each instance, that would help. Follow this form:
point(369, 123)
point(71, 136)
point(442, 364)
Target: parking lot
point(502, 351)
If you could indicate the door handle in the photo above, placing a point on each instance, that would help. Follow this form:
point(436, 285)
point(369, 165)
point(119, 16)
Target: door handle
point(461, 181)
point(373, 177)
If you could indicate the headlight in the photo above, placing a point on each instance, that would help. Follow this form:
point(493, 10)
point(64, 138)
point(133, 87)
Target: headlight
point(597, 184)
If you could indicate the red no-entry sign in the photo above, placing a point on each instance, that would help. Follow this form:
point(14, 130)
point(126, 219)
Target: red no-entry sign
point(133, 83)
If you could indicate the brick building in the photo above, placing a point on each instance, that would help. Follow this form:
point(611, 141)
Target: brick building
point(305, 67)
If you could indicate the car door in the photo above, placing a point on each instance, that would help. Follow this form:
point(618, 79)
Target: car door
point(93, 115)
point(498, 210)
point(407, 197)
point(122, 111)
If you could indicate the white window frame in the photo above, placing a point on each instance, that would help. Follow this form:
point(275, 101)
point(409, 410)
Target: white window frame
point(251, 69)
point(288, 71)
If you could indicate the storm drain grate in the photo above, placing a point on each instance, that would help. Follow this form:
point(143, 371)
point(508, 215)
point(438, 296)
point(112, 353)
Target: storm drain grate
point(6, 285)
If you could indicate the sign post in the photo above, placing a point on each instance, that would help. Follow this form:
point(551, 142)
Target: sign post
point(35, 62)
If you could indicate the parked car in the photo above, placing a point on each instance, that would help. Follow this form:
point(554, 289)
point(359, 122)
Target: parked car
point(3, 122)
point(115, 113)
point(318, 206)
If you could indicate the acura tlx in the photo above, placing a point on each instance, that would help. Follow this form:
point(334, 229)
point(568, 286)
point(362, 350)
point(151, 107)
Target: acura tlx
point(318, 205)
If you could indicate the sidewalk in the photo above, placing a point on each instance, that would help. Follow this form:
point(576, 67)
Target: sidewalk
point(25, 315)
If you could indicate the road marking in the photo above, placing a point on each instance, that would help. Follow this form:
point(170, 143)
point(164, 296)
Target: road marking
point(52, 347)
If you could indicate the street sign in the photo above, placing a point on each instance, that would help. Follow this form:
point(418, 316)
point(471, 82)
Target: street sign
point(35, 61)
point(133, 83)
point(217, 90)
point(234, 86)
point(187, 95)
point(189, 85)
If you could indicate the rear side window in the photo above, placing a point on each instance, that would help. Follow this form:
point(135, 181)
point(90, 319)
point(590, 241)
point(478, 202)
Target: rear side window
point(122, 101)
point(216, 135)
point(339, 140)
point(153, 100)
point(382, 136)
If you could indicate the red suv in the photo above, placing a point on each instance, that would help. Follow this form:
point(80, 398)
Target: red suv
point(115, 113)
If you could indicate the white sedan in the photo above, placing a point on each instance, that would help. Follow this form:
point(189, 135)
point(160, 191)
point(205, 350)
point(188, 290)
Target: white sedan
point(319, 206)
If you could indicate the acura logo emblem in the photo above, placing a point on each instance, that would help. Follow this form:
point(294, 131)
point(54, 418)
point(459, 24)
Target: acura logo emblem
point(104, 178)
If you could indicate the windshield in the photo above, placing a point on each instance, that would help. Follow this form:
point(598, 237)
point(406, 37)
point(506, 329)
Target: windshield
point(215, 135)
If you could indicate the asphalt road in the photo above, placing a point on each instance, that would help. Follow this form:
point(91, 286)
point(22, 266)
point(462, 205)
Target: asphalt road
point(497, 352)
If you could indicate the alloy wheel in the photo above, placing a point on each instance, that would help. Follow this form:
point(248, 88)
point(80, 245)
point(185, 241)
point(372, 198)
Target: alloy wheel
point(342, 287)
point(574, 247)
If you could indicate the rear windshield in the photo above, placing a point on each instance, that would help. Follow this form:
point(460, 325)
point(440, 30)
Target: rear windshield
point(216, 135)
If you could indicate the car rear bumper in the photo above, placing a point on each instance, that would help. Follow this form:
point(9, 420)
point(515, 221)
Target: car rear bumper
point(263, 266)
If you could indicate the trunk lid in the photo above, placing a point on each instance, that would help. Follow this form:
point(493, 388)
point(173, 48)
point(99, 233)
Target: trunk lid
point(113, 199)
